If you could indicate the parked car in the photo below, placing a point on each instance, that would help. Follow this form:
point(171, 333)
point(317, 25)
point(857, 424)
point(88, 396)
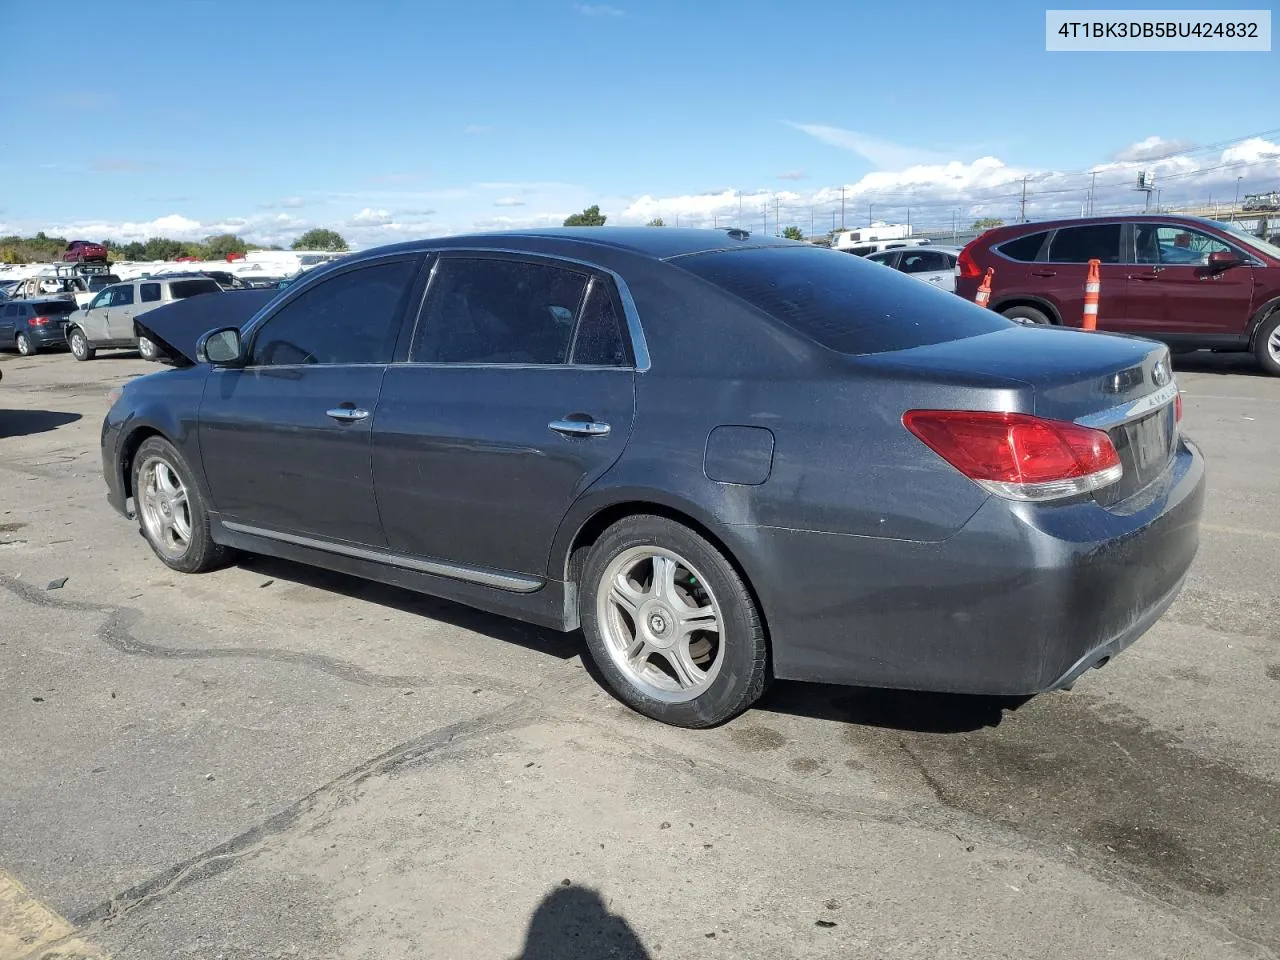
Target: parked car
point(80, 250)
point(1190, 282)
point(108, 320)
point(30, 326)
point(72, 286)
point(227, 281)
point(725, 458)
point(935, 265)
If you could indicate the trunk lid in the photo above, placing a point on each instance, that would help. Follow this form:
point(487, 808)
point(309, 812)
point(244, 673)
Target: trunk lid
point(1123, 385)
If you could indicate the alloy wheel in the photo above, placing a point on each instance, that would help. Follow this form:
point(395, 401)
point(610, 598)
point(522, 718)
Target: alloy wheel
point(661, 624)
point(25, 346)
point(165, 507)
point(1273, 344)
point(79, 346)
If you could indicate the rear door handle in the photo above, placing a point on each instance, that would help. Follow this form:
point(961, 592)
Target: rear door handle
point(1044, 273)
point(1144, 276)
point(580, 428)
point(347, 414)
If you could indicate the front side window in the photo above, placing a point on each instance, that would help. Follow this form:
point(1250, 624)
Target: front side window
point(923, 261)
point(1174, 246)
point(1096, 241)
point(122, 297)
point(493, 311)
point(149, 292)
point(353, 317)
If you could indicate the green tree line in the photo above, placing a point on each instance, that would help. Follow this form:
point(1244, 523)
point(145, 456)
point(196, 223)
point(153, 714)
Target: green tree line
point(42, 248)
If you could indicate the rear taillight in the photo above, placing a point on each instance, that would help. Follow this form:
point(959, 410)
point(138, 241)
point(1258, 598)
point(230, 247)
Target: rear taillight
point(39, 321)
point(1177, 407)
point(966, 266)
point(1018, 456)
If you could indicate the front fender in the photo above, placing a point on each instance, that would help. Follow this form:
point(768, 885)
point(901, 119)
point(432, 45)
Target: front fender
point(165, 403)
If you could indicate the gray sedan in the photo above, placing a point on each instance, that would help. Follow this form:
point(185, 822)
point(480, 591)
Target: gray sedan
point(726, 459)
point(933, 265)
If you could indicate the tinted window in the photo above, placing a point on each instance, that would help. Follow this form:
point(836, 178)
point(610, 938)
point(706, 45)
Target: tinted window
point(1100, 241)
point(11, 310)
point(181, 289)
point(498, 311)
point(841, 302)
point(885, 258)
point(353, 317)
point(149, 292)
point(1173, 246)
point(54, 308)
point(122, 296)
point(923, 261)
point(1025, 249)
point(598, 341)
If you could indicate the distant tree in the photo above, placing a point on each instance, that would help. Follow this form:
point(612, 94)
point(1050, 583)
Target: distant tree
point(793, 233)
point(656, 222)
point(590, 217)
point(217, 247)
point(986, 223)
point(133, 250)
point(162, 248)
point(319, 238)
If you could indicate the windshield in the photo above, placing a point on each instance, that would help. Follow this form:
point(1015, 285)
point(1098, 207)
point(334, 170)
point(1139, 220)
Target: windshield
point(1248, 239)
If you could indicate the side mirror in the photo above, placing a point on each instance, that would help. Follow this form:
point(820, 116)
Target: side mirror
point(1224, 260)
point(220, 347)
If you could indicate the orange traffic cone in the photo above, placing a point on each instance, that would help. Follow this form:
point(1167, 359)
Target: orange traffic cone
point(1092, 291)
point(983, 297)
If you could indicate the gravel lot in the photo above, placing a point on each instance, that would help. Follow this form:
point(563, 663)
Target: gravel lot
point(273, 761)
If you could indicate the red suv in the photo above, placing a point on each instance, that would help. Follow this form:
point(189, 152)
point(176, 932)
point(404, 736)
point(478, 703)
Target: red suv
point(80, 250)
point(1190, 282)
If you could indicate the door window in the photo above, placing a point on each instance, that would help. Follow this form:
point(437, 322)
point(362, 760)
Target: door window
point(149, 292)
point(1023, 249)
point(598, 342)
point(922, 261)
point(1175, 246)
point(494, 311)
point(123, 297)
point(1097, 241)
point(886, 258)
point(353, 317)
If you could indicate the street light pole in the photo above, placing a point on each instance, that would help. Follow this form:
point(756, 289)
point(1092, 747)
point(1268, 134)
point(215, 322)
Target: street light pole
point(1236, 202)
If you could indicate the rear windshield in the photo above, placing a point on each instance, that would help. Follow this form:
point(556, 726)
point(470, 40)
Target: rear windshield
point(54, 308)
point(181, 289)
point(844, 303)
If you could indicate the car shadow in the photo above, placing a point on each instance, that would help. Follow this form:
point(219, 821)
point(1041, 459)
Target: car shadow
point(562, 646)
point(1205, 361)
point(905, 710)
point(18, 423)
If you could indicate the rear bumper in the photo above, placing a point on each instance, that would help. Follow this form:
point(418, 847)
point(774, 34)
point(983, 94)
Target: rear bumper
point(1023, 599)
point(47, 336)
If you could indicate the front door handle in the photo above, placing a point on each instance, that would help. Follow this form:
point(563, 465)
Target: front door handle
point(347, 414)
point(580, 428)
point(1044, 273)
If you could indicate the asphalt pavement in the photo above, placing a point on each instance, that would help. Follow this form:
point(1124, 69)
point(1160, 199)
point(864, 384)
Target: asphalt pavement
point(274, 761)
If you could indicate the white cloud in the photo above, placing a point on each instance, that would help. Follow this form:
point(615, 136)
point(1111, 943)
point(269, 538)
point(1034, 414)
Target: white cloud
point(598, 10)
point(1151, 148)
point(369, 215)
point(509, 202)
point(880, 153)
point(793, 175)
point(521, 223)
point(293, 202)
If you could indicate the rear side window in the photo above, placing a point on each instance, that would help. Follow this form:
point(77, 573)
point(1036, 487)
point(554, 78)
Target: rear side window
point(56, 308)
point(1024, 249)
point(149, 292)
point(181, 289)
point(495, 311)
point(841, 302)
point(1097, 241)
point(598, 342)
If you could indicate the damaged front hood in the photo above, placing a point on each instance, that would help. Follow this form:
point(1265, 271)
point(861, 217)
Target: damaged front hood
point(176, 327)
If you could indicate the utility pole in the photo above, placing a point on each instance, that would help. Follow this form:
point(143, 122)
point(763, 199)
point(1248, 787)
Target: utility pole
point(1236, 201)
point(833, 221)
point(908, 221)
point(842, 208)
point(777, 221)
point(1092, 184)
point(1022, 209)
point(765, 207)
point(868, 214)
point(1157, 200)
point(953, 225)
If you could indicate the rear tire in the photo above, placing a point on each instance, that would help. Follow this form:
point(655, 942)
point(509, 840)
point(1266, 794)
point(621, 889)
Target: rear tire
point(1031, 316)
point(671, 624)
point(146, 349)
point(171, 510)
point(26, 347)
point(1266, 344)
point(79, 344)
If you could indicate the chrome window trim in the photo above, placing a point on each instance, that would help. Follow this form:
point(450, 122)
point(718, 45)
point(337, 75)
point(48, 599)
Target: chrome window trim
point(1133, 410)
point(511, 582)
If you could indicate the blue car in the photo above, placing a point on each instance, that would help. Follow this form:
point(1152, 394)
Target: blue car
point(30, 326)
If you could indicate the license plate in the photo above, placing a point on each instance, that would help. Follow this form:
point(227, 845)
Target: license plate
point(1149, 441)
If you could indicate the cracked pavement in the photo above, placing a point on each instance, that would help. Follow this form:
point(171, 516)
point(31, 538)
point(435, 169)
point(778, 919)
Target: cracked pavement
point(276, 761)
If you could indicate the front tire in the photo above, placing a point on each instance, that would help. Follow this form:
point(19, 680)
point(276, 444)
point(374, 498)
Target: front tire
point(1030, 316)
point(79, 344)
point(171, 510)
point(26, 347)
point(1266, 344)
point(671, 624)
point(147, 349)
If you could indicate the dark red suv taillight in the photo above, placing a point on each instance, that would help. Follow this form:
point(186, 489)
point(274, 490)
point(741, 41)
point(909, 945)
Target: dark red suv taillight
point(966, 266)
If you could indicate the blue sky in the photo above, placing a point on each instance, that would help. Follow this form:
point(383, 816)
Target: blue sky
point(391, 119)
